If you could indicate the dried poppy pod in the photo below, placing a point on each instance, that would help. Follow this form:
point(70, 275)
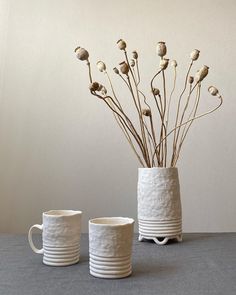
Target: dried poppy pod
point(213, 90)
point(101, 66)
point(190, 79)
point(124, 68)
point(202, 73)
point(104, 90)
point(121, 44)
point(132, 63)
point(100, 87)
point(156, 91)
point(135, 54)
point(94, 86)
point(174, 63)
point(164, 63)
point(194, 54)
point(161, 48)
point(146, 112)
point(81, 53)
point(116, 70)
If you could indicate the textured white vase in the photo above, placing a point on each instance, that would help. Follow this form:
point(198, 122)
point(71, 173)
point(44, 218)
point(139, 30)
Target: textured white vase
point(61, 237)
point(159, 205)
point(110, 247)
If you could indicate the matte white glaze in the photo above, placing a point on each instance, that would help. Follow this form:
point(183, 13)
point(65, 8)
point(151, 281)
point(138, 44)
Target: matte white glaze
point(159, 204)
point(61, 237)
point(110, 247)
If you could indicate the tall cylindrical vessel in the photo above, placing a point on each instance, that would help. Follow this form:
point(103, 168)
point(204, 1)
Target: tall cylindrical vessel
point(159, 205)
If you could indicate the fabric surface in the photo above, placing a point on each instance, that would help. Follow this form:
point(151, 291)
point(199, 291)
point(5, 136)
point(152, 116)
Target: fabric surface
point(201, 264)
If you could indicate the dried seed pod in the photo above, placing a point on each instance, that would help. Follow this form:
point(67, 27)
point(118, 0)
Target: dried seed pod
point(161, 48)
point(135, 54)
point(94, 86)
point(121, 44)
point(132, 63)
point(101, 66)
point(100, 87)
point(190, 79)
point(104, 90)
point(194, 54)
point(116, 70)
point(202, 73)
point(174, 63)
point(81, 53)
point(146, 112)
point(164, 63)
point(156, 91)
point(213, 90)
point(124, 68)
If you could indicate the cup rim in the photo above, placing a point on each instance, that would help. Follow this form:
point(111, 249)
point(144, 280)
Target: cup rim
point(111, 221)
point(61, 213)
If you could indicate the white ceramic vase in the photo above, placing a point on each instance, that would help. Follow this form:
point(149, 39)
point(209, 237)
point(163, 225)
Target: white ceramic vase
point(61, 237)
point(110, 247)
point(159, 205)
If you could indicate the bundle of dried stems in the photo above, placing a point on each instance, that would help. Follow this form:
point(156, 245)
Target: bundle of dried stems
point(150, 140)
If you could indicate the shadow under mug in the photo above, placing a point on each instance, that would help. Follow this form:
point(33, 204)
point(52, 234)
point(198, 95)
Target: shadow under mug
point(61, 230)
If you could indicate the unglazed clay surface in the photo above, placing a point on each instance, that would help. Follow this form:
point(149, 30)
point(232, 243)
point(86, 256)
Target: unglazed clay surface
point(110, 247)
point(159, 204)
point(61, 237)
point(61, 230)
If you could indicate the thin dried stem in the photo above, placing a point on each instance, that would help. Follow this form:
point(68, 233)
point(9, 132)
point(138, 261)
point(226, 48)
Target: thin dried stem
point(124, 81)
point(139, 108)
point(178, 107)
point(151, 123)
point(129, 125)
point(195, 108)
point(137, 67)
point(160, 110)
point(192, 119)
point(150, 139)
point(163, 125)
point(90, 72)
point(169, 102)
point(125, 132)
point(189, 116)
point(181, 120)
point(112, 89)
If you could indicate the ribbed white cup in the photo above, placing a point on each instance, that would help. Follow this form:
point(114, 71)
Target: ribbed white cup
point(61, 256)
point(159, 205)
point(61, 237)
point(110, 247)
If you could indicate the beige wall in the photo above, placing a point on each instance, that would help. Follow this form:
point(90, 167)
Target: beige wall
point(59, 147)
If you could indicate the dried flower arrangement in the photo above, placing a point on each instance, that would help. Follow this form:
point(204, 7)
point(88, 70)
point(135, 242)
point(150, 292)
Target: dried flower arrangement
point(150, 141)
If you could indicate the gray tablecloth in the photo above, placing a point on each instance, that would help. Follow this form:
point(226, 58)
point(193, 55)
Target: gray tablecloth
point(201, 264)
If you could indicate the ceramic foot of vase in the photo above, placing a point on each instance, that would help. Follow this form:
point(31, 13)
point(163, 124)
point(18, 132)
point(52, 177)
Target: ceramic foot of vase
point(160, 241)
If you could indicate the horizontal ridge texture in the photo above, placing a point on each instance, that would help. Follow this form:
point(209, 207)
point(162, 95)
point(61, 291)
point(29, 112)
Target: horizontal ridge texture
point(110, 267)
point(167, 228)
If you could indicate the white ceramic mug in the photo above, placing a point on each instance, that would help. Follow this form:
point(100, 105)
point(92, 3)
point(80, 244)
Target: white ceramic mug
point(110, 247)
point(61, 231)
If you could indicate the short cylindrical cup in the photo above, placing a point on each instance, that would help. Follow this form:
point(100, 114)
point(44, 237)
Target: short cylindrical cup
point(61, 230)
point(110, 247)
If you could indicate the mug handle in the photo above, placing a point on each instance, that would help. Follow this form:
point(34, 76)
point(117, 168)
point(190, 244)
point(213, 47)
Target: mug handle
point(36, 250)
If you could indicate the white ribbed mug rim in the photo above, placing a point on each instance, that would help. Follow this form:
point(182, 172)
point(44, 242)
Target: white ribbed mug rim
point(61, 213)
point(111, 221)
